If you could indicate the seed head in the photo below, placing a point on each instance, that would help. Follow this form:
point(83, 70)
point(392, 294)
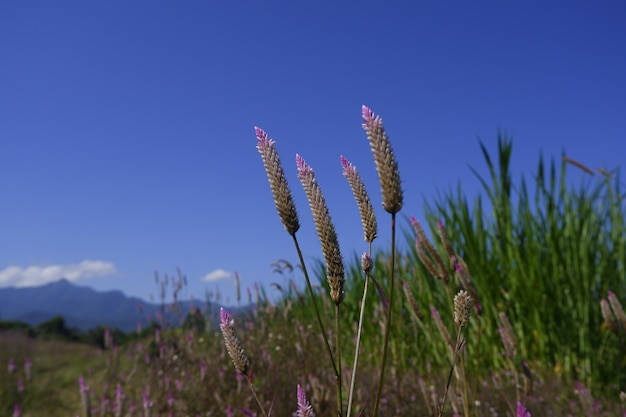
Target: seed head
point(325, 230)
point(608, 316)
point(386, 165)
point(462, 306)
point(368, 218)
point(618, 310)
point(366, 263)
point(428, 254)
point(278, 182)
point(233, 344)
point(440, 326)
point(304, 408)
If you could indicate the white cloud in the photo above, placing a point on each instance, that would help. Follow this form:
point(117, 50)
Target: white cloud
point(32, 276)
point(217, 275)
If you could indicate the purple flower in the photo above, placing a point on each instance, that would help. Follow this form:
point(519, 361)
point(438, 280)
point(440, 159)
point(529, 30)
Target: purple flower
point(83, 385)
point(147, 404)
point(522, 411)
point(304, 408)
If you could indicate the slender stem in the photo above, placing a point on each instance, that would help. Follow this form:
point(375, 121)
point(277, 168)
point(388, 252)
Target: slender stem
point(338, 348)
point(358, 344)
point(317, 311)
point(455, 356)
point(256, 397)
point(389, 315)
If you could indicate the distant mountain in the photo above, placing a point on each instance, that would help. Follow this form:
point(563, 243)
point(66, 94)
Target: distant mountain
point(83, 307)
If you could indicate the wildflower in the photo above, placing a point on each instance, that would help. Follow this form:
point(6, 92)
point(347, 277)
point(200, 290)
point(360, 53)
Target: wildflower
point(508, 336)
point(462, 303)
point(428, 254)
point(412, 301)
point(147, 404)
point(278, 182)
point(522, 411)
point(368, 218)
point(466, 281)
point(84, 396)
point(233, 344)
point(440, 326)
point(386, 165)
point(325, 230)
point(366, 263)
point(618, 310)
point(119, 401)
point(304, 408)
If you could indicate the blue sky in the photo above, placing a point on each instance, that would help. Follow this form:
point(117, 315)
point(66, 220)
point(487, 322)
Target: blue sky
point(127, 128)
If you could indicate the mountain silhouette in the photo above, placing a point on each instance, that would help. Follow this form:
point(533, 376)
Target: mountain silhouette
point(86, 308)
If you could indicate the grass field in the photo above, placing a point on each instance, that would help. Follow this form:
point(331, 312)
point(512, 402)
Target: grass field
point(508, 299)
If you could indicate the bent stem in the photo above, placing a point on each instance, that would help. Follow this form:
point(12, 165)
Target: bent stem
point(389, 315)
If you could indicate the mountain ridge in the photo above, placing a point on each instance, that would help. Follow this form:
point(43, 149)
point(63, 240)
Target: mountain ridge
point(84, 307)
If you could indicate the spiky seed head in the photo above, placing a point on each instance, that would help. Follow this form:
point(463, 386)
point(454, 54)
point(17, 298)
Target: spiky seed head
point(412, 301)
point(608, 316)
point(618, 310)
point(508, 328)
point(462, 306)
point(278, 182)
point(233, 344)
point(446, 242)
point(440, 326)
point(325, 230)
point(368, 218)
point(304, 408)
point(366, 263)
point(428, 254)
point(386, 165)
point(466, 281)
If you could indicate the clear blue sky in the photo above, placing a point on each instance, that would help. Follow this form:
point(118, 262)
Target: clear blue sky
point(127, 128)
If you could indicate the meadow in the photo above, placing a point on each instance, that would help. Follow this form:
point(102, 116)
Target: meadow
point(505, 304)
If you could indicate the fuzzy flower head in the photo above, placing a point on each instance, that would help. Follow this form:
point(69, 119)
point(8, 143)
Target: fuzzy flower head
point(386, 165)
point(462, 305)
point(522, 411)
point(325, 230)
point(233, 344)
point(278, 182)
point(304, 408)
point(366, 263)
point(368, 218)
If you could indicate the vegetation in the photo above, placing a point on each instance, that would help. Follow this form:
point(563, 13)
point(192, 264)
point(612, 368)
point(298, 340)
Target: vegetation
point(503, 304)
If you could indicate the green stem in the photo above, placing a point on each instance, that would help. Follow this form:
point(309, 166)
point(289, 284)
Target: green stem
point(389, 315)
